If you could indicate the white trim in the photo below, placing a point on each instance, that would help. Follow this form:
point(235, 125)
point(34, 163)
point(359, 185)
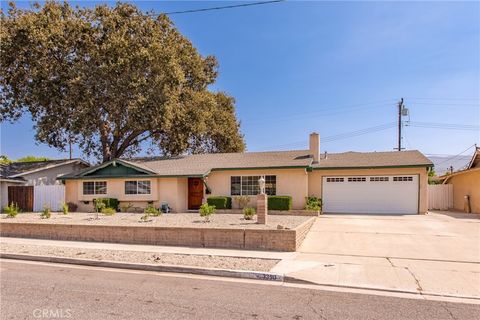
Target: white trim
point(12, 180)
point(49, 167)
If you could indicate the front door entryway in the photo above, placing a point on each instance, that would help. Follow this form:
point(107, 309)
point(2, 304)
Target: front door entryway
point(195, 193)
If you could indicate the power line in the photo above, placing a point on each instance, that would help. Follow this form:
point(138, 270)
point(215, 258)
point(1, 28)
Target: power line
point(219, 8)
point(450, 126)
point(341, 136)
point(455, 156)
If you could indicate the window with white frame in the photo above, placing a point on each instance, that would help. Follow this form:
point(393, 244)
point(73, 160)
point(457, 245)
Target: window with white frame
point(334, 179)
point(248, 185)
point(95, 187)
point(137, 187)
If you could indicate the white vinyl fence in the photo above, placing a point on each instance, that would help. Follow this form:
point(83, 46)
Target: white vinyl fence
point(440, 196)
point(50, 195)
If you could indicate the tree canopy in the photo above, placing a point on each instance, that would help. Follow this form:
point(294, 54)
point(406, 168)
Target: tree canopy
point(111, 79)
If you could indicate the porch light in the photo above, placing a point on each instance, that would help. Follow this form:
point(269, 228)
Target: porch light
point(261, 184)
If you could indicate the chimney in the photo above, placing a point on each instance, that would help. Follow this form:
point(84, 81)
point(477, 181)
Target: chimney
point(315, 146)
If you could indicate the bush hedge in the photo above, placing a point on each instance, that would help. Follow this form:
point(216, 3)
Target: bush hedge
point(220, 202)
point(109, 202)
point(279, 202)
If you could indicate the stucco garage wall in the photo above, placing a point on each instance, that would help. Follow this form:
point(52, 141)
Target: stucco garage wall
point(467, 183)
point(290, 182)
point(315, 180)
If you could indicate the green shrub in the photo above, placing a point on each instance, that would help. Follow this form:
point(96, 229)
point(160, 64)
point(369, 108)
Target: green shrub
point(151, 210)
point(108, 211)
point(242, 201)
point(46, 213)
point(65, 208)
point(11, 210)
point(206, 211)
point(109, 202)
point(313, 204)
point(248, 213)
point(220, 202)
point(279, 202)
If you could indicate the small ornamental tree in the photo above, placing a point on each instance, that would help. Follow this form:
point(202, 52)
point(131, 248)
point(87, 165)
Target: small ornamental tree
point(111, 78)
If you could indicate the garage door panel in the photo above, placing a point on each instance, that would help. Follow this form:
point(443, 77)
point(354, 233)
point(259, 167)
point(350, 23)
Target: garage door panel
point(371, 194)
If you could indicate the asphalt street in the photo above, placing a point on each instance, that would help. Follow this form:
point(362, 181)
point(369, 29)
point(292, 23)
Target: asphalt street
point(52, 291)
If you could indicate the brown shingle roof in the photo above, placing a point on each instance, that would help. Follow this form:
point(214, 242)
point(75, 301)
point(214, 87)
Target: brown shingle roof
point(373, 159)
point(199, 164)
point(202, 164)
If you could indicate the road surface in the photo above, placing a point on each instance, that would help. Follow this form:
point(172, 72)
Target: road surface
point(53, 291)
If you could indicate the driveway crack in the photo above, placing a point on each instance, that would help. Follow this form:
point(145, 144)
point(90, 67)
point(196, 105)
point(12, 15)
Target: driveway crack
point(419, 287)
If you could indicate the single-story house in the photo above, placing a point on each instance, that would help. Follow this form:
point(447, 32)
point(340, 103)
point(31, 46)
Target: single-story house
point(34, 173)
point(350, 182)
point(466, 185)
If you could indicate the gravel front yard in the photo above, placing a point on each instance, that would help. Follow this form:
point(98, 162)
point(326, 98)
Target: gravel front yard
point(189, 220)
point(204, 261)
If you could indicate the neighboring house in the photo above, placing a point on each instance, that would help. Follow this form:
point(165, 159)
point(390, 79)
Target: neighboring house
point(350, 182)
point(35, 173)
point(466, 183)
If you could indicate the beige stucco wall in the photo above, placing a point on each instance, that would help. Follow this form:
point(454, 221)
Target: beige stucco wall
point(315, 180)
point(467, 183)
point(290, 182)
point(170, 190)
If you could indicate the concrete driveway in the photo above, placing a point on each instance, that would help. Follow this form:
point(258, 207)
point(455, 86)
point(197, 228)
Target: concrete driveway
point(436, 254)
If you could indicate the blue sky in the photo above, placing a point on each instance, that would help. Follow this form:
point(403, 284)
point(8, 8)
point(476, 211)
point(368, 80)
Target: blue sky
point(332, 67)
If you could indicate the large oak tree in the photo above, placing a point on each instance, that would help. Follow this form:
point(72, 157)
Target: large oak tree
point(111, 79)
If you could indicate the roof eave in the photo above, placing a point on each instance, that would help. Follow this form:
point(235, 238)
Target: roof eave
point(375, 167)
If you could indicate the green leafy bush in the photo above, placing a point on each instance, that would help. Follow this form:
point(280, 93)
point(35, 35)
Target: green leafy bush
point(313, 204)
point(242, 201)
point(108, 211)
point(279, 202)
point(206, 211)
point(11, 210)
point(151, 210)
point(65, 208)
point(46, 212)
point(248, 213)
point(109, 202)
point(220, 202)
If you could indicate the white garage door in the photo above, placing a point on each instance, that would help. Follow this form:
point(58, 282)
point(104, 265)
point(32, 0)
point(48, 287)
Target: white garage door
point(371, 194)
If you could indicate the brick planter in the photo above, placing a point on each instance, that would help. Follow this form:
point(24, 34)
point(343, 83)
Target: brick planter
point(275, 240)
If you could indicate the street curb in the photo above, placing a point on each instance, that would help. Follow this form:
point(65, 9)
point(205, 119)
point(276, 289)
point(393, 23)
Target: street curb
point(256, 275)
point(288, 279)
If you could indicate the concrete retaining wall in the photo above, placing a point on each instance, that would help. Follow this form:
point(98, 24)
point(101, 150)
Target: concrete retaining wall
point(276, 240)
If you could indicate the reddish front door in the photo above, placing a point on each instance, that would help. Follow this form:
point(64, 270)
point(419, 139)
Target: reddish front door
point(195, 193)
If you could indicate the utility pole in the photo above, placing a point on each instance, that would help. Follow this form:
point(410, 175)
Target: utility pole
point(70, 148)
point(400, 109)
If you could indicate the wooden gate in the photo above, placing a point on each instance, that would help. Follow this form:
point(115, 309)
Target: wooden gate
point(22, 196)
point(440, 196)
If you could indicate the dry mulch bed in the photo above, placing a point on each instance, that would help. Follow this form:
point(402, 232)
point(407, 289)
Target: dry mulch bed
point(203, 261)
